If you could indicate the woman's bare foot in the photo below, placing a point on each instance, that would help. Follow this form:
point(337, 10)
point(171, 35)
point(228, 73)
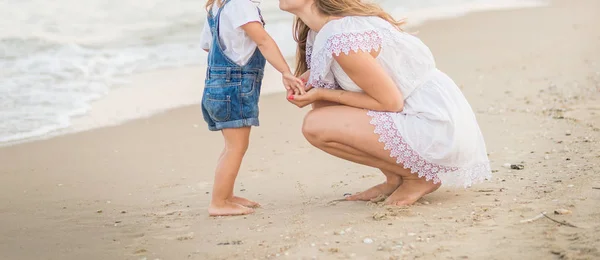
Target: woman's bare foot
point(228, 208)
point(410, 191)
point(393, 181)
point(244, 202)
point(385, 188)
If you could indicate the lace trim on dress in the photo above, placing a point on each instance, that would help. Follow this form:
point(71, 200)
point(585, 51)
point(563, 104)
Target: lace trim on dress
point(366, 41)
point(410, 159)
point(324, 84)
point(309, 49)
point(318, 83)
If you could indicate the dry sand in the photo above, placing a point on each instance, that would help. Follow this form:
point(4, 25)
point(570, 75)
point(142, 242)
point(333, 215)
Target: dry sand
point(140, 190)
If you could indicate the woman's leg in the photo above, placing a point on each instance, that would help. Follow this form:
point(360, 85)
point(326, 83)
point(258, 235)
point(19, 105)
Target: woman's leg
point(346, 132)
point(386, 188)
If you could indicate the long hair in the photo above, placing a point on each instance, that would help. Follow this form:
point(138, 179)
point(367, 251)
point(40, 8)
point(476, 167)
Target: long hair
point(335, 8)
point(210, 3)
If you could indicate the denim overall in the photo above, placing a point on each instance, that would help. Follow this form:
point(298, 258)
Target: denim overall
point(231, 92)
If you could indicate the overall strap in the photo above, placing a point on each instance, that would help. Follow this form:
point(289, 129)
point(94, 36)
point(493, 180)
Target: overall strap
point(218, 16)
point(261, 17)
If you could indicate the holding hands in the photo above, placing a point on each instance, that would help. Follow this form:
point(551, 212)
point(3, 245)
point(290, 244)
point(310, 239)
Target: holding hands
point(306, 96)
point(292, 84)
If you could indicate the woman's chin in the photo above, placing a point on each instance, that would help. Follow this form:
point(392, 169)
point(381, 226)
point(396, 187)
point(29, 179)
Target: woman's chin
point(283, 6)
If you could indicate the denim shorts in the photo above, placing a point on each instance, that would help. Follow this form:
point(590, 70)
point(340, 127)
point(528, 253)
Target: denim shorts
point(231, 97)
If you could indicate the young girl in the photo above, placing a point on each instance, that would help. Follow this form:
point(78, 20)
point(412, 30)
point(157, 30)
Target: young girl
point(237, 46)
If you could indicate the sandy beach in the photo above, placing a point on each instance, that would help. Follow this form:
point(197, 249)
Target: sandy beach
point(140, 190)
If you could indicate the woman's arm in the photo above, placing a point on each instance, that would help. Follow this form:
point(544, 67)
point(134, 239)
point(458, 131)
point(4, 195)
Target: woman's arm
point(380, 91)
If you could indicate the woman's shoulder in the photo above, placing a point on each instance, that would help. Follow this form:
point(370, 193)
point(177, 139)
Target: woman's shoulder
point(352, 25)
point(353, 32)
point(357, 22)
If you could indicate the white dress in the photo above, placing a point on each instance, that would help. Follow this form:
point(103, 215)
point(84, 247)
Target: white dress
point(436, 135)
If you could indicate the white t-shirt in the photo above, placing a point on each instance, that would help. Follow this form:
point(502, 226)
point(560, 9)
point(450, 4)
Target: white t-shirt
point(236, 43)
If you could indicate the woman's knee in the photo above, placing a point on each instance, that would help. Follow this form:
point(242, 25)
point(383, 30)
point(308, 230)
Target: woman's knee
point(312, 128)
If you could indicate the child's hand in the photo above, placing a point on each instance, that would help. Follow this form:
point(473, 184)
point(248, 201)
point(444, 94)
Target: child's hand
point(293, 84)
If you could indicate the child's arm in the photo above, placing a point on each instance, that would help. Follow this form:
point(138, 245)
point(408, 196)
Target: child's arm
point(270, 50)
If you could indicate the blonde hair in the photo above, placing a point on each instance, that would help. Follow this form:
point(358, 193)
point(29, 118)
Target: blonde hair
point(210, 3)
point(340, 8)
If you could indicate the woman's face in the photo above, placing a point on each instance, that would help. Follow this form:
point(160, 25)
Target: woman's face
point(293, 6)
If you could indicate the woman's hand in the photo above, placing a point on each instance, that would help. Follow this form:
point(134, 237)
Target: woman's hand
point(292, 83)
point(308, 98)
point(304, 77)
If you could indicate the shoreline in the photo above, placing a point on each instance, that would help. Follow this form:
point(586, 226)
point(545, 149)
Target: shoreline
point(115, 108)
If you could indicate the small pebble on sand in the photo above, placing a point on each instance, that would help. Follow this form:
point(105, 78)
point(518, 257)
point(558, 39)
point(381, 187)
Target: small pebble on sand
point(517, 166)
point(562, 212)
point(368, 241)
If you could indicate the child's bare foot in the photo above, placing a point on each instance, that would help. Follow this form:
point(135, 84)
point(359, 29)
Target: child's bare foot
point(228, 209)
point(410, 191)
point(385, 188)
point(244, 202)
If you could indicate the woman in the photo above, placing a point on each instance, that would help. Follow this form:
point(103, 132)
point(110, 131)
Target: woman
point(379, 100)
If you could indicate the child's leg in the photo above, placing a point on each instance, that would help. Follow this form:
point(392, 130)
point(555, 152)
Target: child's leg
point(235, 199)
point(236, 144)
point(244, 146)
